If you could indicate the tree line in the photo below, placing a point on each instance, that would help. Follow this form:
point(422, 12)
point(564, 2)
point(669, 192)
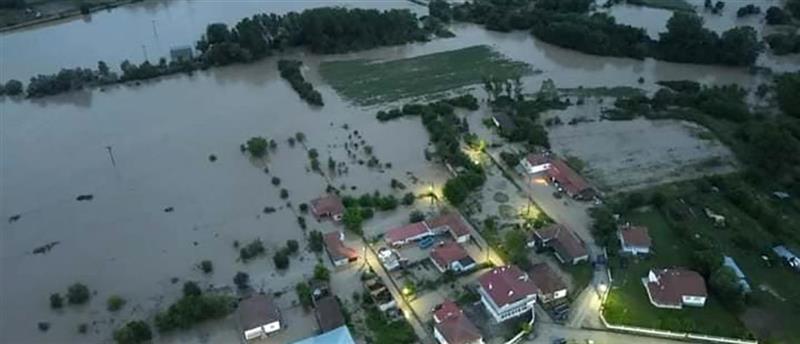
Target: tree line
point(568, 24)
point(324, 30)
point(290, 70)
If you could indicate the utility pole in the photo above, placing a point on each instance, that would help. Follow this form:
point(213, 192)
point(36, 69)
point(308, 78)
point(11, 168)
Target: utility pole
point(144, 49)
point(155, 32)
point(111, 155)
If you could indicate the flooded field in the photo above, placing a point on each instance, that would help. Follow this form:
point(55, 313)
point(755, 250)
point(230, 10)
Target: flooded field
point(161, 134)
point(626, 155)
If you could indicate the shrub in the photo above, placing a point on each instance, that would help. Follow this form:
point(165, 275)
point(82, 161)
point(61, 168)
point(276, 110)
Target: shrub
point(276, 181)
point(133, 332)
point(304, 295)
point(281, 260)
point(408, 199)
point(284, 194)
point(321, 273)
point(78, 294)
point(241, 279)
point(315, 241)
point(115, 303)
point(416, 216)
point(257, 146)
point(13, 87)
point(56, 301)
point(251, 250)
point(83, 328)
point(292, 246)
point(206, 266)
point(303, 207)
point(191, 289)
point(193, 309)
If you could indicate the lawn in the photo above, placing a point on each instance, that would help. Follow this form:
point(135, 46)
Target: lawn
point(675, 5)
point(367, 82)
point(628, 303)
point(773, 306)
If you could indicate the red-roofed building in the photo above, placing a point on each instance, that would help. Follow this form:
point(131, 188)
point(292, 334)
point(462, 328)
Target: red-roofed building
point(451, 256)
point(451, 326)
point(403, 235)
point(452, 223)
point(535, 163)
point(337, 251)
point(634, 239)
point(327, 206)
point(570, 181)
point(674, 288)
point(507, 292)
point(551, 286)
point(566, 245)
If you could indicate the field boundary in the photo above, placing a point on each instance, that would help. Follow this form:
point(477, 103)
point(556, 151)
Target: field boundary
point(670, 334)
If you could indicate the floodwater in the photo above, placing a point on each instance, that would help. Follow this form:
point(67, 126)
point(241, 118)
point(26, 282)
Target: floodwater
point(161, 134)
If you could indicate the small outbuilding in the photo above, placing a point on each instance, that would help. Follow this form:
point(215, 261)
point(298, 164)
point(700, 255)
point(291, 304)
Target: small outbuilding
point(634, 240)
point(329, 206)
point(451, 256)
point(339, 253)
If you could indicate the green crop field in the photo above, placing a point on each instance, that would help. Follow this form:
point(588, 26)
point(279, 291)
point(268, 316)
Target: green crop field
point(367, 82)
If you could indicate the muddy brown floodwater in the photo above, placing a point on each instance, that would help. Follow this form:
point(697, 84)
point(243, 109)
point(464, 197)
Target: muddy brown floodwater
point(161, 134)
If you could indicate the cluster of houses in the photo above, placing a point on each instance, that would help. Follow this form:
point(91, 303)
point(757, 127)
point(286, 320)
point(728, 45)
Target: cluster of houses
point(259, 317)
point(506, 293)
point(560, 174)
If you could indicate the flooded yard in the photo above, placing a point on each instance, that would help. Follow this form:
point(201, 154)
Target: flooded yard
point(627, 155)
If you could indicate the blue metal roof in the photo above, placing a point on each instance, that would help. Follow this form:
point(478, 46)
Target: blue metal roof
point(340, 335)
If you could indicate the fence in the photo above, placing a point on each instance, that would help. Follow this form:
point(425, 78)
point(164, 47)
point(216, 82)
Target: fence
point(678, 335)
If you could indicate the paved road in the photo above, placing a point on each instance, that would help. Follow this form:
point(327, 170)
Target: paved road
point(423, 333)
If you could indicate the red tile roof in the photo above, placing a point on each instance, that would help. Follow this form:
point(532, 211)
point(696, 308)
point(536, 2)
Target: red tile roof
point(546, 279)
point(447, 253)
point(563, 240)
point(673, 284)
point(635, 236)
point(336, 248)
point(570, 180)
point(454, 326)
point(405, 232)
point(536, 159)
point(507, 284)
point(454, 223)
point(327, 205)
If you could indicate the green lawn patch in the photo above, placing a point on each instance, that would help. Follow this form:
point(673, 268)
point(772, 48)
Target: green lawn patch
point(674, 5)
point(581, 276)
point(774, 304)
point(628, 303)
point(368, 82)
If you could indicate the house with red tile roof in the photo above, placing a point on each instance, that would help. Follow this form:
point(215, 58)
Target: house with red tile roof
point(570, 181)
point(403, 235)
point(535, 163)
point(329, 206)
point(507, 292)
point(451, 326)
point(452, 223)
point(339, 253)
point(675, 288)
point(551, 286)
point(634, 240)
point(567, 246)
point(451, 256)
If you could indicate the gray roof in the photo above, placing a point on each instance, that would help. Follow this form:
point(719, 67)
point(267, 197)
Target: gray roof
point(328, 313)
point(784, 252)
point(257, 310)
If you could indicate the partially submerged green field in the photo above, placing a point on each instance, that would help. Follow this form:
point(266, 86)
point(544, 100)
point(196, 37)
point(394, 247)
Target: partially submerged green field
point(368, 82)
point(674, 5)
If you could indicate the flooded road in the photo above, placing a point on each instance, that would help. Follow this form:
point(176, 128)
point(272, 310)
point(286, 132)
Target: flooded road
point(161, 134)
